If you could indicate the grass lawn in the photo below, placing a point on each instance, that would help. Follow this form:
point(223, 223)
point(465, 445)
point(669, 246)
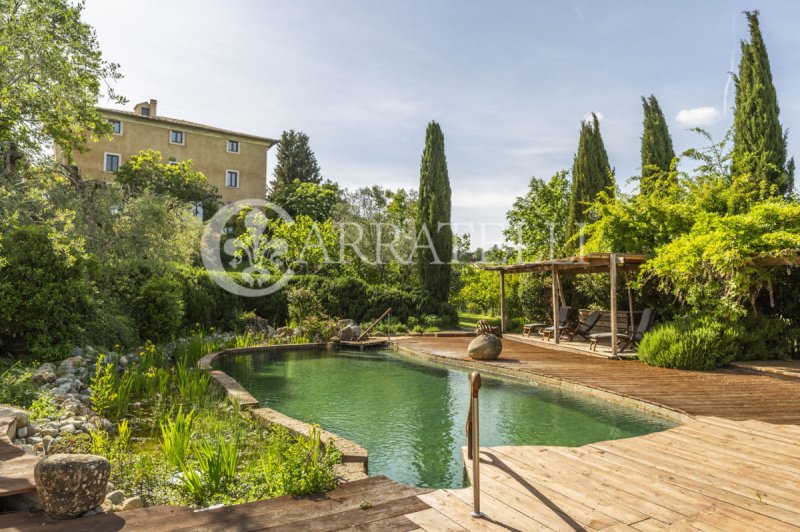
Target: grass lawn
point(469, 321)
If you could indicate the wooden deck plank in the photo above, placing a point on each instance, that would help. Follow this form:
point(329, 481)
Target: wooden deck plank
point(432, 520)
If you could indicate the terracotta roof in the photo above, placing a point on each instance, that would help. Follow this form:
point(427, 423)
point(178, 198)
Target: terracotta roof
point(186, 123)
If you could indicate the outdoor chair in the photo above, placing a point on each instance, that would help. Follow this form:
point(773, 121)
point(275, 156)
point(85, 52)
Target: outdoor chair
point(528, 328)
point(563, 323)
point(629, 339)
point(582, 328)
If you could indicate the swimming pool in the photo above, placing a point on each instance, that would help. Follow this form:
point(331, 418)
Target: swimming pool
point(410, 415)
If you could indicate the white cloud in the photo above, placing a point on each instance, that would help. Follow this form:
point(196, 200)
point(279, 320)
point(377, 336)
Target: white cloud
point(698, 116)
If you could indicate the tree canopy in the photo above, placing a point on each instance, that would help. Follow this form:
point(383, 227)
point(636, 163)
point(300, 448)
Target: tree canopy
point(759, 141)
point(52, 74)
point(657, 151)
point(591, 174)
point(434, 217)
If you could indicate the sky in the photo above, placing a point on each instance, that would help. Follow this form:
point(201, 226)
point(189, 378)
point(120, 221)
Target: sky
point(509, 82)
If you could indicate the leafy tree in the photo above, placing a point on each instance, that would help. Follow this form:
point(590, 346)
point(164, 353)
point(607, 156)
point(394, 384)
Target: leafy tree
point(759, 141)
point(591, 174)
point(434, 217)
point(295, 163)
point(311, 199)
point(538, 218)
point(180, 181)
point(51, 76)
point(657, 152)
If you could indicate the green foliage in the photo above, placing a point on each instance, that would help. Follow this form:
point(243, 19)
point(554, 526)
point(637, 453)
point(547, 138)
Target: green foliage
point(759, 139)
point(300, 466)
point(43, 407)
point(16, 387)
point(311, 199)
point(179, 181)
point(102, 384)
point(591, 174)
point(694, 344)
point(216, 467)
point(434, 218)
point(176, 434)
point(306, 314)
point(294, 161)
point(657, 151)
point(78, 443)
point(103, 444)
point(158, 308)
point(538, 218)
point(44, 293)
point(191, 383)
point(52, 76)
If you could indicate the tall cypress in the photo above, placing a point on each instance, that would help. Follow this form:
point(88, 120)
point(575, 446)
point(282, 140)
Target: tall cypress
point(657, 151)
point(294, 162)
point(434, 210)
point(759, 141)
point(591, 174)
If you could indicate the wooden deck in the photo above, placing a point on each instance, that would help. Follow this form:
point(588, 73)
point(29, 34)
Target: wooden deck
point(710, 474)
point(723, 393)
point(16, 466)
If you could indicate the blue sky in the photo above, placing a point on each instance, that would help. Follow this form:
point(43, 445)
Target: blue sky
point(508, 81)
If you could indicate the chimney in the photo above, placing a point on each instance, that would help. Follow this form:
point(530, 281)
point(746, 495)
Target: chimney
point(146, 108)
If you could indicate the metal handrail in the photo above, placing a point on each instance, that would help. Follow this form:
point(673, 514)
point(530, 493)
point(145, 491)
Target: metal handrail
point(473, 442)
point(387, 312)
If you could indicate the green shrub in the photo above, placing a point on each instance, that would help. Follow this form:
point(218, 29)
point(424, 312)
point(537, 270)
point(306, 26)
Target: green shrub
point(766, 338)
point(192, 383)
point(45, 407)
point(16, 387)
point(158, 309)
point(45, 296)
point(694, 344)
point(299, 466)
point(103, 385)
point(216, 467)
point(79, 443)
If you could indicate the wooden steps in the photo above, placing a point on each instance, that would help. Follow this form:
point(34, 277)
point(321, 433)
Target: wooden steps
point(341, 508)
point(16, 466)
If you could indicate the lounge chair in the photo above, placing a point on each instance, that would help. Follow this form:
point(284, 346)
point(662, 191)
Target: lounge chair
point(528, 328)
point(563, 323)
point(629, 339)
point(582, 328)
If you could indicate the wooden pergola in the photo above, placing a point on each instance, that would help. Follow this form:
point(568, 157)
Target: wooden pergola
point(610, 263)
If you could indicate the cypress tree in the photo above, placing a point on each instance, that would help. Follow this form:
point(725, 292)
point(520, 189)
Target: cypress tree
point(434, 210)
point(295, 162)
point(759, 141)
point(591, 174)
point(657, 151)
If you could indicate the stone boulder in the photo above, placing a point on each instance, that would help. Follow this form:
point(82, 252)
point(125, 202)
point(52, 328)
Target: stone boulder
point(349, 333)
point(71, 484)
point(256, 325)
point(44, 375)
point(17, 413)
point(485, 347)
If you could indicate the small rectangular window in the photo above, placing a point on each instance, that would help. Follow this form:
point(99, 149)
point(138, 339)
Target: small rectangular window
point(117, 125)
point(232, 179)
point(145, 111)
point(111, 162)
point(176, 137)
point(233, 146)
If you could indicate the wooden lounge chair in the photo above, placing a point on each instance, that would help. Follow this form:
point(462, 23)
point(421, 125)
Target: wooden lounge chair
point(629, 339)
point(582, 328)
point(528, 328)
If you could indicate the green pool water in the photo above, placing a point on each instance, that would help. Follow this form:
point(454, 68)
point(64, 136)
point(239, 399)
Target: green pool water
point(410, 415)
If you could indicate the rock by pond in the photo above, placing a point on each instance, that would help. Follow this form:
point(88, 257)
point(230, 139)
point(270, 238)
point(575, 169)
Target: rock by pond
point(71, 484)
point(485, 347)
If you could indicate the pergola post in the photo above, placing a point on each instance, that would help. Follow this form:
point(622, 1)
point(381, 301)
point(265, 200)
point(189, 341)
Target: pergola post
point(502, 301)
point(556, 295)
point(612, 272)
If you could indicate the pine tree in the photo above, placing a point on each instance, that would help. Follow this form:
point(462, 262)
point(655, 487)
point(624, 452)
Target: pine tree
point(591, 174)
point(295, 164)
point(657, 151)
point(759, 141)
point(434, 210)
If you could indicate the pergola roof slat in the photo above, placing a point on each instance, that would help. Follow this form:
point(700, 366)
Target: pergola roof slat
point(589, 263)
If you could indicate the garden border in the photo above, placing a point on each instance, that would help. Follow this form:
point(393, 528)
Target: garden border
point(355, 459)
